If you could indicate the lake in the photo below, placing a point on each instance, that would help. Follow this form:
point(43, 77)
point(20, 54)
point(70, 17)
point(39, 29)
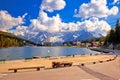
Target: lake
point(15, 53)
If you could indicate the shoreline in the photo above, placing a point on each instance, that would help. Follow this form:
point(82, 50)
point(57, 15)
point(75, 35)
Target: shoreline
point(100, 49)
point(71, 54)
point(47, 62)
point(52, 57)
point(104, 50)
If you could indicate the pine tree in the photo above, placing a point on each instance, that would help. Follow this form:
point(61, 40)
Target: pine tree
point(111, 36)
point(117, 32)
point(114, 35)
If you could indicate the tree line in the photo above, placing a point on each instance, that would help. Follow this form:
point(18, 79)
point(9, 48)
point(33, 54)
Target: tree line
point(10, 40)
point(113, 37)
point(94, 39)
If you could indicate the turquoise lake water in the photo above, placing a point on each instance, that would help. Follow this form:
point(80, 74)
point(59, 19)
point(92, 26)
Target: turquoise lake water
point(15, 53)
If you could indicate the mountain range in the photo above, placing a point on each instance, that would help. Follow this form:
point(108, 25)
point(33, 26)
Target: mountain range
point(44, 36)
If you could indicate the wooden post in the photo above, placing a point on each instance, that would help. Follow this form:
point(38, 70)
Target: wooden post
point(38, 68)
point(82, 64)
point(94, 62)
point(15, 70)
point(100, 61)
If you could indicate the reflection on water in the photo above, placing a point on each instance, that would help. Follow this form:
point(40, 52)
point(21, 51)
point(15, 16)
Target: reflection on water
point(27, 52)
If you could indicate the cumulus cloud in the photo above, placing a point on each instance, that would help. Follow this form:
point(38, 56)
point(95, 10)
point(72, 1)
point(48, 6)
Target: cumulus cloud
point(54, 24)
point(92, 25)
point(96, 8)
point(50, 24)
point(51, 5)
point(56, 39)
point(116, 2)
point(69, 27)
point(20, 30)
point(95, 25)
point(7, 21)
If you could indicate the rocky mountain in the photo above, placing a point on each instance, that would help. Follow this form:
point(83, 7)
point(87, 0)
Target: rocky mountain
point(58, 38)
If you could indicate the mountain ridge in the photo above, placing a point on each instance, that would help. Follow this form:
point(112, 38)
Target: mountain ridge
point(11, 40)
point(44, 36)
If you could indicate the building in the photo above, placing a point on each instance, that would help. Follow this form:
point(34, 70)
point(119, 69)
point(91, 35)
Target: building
point(77, 43)
point(47, 44)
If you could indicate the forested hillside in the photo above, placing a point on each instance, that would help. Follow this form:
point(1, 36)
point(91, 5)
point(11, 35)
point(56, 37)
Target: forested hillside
point(10, 40)
point(113, 36)
point(94, 39)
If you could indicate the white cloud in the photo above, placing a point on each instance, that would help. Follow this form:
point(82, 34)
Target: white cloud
point(96, 8)
point(7, 21)
point(92, 25)
point(51, 5)
point(50, 24)
point(56, 39)
point(55, 25)
point(96, 26)
point(71, 26)
point(116, 2)
point(20, 30)
point(114, 11)
point(35, 25)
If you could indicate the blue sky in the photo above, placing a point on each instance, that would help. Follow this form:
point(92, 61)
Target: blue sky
point(18, 16)
point(19, 7)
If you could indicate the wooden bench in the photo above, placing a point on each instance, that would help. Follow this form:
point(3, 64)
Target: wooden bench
point(107, 60)
point(16, 69)
point(66, 63)
point(60, 64)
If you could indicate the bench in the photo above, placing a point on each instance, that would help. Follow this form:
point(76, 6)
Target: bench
point(107, 60)
point(16, 69)
point(60, 64)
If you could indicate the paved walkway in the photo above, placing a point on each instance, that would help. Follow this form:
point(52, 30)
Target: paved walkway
point(96, 74)
point(68, 73)
point(98, 71)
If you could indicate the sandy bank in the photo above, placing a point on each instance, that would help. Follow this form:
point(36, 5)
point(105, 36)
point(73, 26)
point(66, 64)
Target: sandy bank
point(48, 62)
point(100, 71)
